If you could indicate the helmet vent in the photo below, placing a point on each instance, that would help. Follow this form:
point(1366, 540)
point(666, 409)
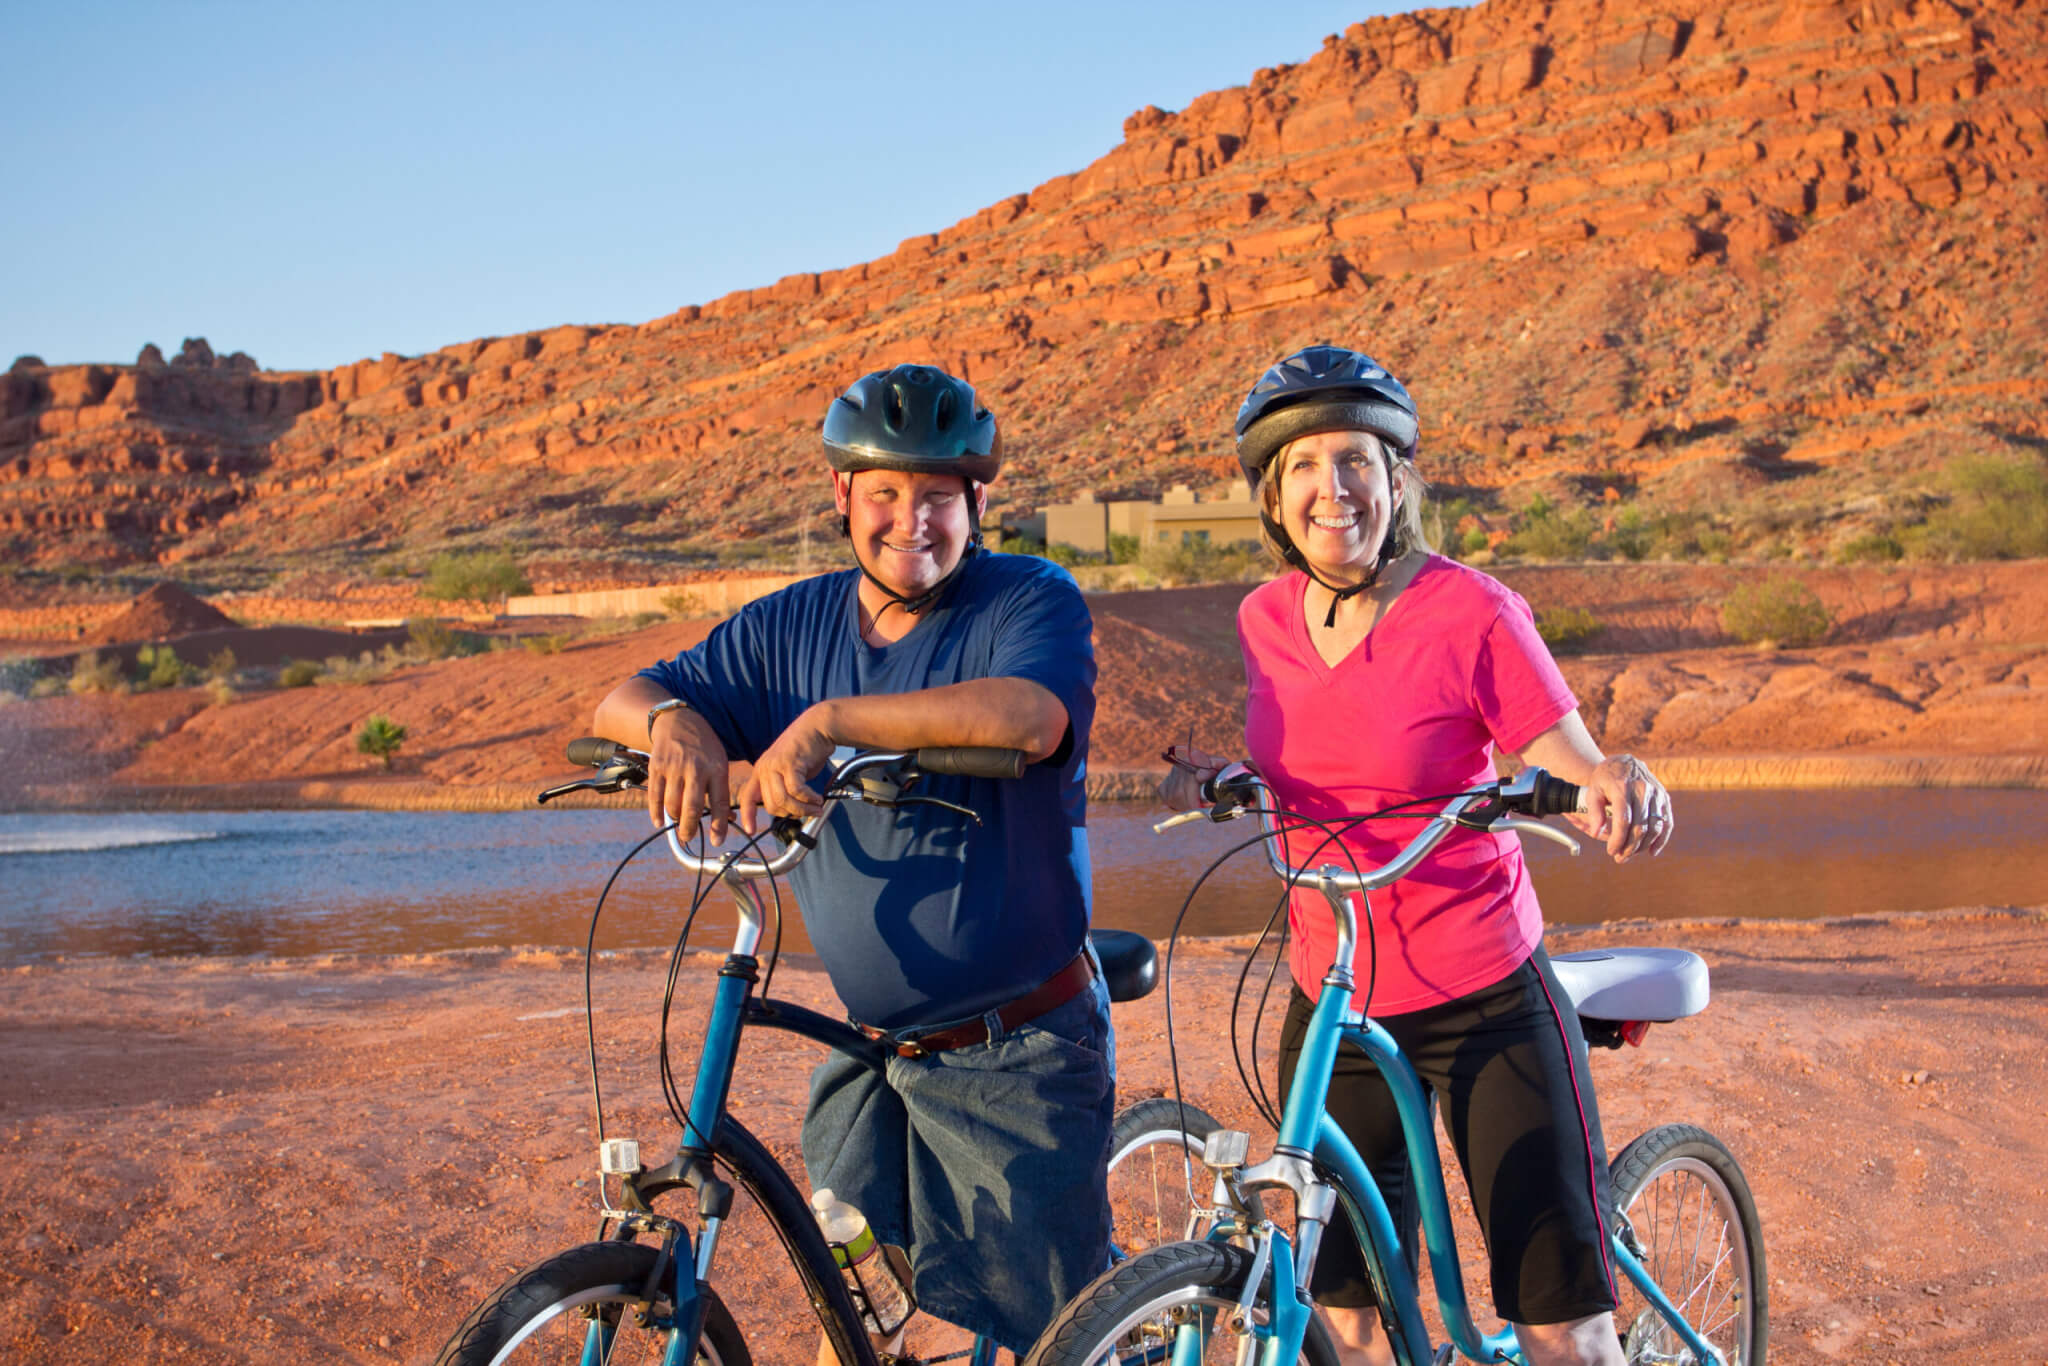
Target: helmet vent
point(944, 410)
point(893, 411)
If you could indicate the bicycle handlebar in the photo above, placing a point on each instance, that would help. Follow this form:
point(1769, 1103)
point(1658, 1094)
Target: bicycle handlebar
point(1237, 790)
point(622, 766)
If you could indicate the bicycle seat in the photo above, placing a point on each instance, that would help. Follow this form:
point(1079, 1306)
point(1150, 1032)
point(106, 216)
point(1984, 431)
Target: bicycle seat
point(1633, 984)
point(1130, 963)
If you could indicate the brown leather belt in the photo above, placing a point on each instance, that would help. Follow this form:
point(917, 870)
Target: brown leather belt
point(1056, 990)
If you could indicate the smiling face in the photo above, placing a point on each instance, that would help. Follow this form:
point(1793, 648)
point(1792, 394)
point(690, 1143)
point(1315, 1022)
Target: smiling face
point(1335, 498)
point(909, 530)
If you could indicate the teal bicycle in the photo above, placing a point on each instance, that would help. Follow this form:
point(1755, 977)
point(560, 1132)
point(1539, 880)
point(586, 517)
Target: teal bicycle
point(648, 1289)
point(1689, 1241)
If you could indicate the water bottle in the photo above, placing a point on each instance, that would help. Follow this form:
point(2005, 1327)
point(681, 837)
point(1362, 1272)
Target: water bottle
point(879, 1284)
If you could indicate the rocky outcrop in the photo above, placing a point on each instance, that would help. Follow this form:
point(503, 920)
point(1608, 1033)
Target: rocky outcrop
point(1684, 255)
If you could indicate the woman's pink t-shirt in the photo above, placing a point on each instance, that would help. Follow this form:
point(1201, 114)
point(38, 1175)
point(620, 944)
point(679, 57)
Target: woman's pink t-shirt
point(1452, 672)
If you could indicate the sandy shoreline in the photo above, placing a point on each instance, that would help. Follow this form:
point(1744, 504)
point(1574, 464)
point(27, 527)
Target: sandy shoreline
point(1681, 773)
point(331, 1159)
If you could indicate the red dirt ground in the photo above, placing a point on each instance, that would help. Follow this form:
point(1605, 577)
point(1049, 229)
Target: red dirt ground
point(332, 1160)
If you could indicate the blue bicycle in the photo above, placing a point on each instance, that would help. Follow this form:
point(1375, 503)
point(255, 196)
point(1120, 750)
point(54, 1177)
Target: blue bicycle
point(1689, 1241)
point(647, 1289)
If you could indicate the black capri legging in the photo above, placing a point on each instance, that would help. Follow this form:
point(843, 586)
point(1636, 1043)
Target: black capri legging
point(1508, 1066)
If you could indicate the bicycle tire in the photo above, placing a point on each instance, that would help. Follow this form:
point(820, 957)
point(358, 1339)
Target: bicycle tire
point(1131, 1313)
point(1156, 1176)
point(1701, 1241)
point(544, 1313)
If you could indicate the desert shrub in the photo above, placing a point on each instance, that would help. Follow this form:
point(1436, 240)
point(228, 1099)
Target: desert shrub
point(1778, 611)
point(1545, 531)
point(49, 685)
point(367, 667)
point(640, 621)
point(221, 664)
point(298, 673)
point(380, 736)
point(158, 666)
point(1875, 547)
point(1566, 629)
point(220, 692)
point(1123, 549)
point(1634, 536)
point(1195, 561)
point(682, 603)
point(1997, 510)
point(18, 678)
point(95, 672)
point(545, 645)
point(476, 577)
point(429, 639)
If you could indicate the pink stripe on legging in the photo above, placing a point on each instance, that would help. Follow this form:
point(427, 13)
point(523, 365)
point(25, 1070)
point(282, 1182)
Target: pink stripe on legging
point(1586, 1131)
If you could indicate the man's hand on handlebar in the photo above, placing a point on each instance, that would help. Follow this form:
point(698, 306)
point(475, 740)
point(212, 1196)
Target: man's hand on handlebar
point(780, 782)
point(687, 775)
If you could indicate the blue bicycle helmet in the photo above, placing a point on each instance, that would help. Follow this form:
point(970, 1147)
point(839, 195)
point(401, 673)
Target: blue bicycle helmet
point(915, 418)
point(1323, 389)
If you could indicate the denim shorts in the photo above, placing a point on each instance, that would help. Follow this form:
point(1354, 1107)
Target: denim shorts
point(985, 1163)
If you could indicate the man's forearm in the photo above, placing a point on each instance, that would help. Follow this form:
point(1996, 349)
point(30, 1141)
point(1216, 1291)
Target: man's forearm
point(996, 713)
point(622, 716)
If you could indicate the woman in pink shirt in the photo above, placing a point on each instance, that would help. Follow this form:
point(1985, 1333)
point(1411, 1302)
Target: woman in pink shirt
point(1379, 673)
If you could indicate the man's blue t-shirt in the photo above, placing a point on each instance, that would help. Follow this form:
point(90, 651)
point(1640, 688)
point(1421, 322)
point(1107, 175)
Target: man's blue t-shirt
point(923, 917)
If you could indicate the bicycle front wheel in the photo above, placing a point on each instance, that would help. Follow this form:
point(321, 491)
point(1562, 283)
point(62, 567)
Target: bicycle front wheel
point(1701, 1241)
point(1174, 1302)
point(1156, 1176)
point(547, 1313)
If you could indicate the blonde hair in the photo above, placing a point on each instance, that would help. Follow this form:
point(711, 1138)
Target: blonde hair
point(1413, 491)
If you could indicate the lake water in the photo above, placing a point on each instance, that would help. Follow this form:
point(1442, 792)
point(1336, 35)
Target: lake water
point(294, 883)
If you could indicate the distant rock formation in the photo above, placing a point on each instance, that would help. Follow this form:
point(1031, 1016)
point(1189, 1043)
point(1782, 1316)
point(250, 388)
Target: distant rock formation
point(1672, 259)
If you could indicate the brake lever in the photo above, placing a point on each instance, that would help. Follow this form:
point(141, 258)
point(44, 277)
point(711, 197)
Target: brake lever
point(955, 807)
point(616, 776)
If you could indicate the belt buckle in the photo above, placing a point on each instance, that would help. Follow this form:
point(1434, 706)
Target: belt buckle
point(911, 1048)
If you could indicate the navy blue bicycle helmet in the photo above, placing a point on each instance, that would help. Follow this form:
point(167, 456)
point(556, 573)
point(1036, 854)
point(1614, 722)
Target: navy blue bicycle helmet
point(1323, 389)
point(915, 418)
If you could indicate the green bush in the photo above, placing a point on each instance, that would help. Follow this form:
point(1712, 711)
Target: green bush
point(1997, 510)
point(221, 692)
point(298, 673)
point(1193, 561)
point(544, 645)
point(221, 665)
point(95, 672)
point(367, 667)
point(1545, 531)
point(479, 576)
point(683, 602)
point(429, 639)
point(18, 678)
point(1634, 536)
point(1123, 549)
point(1778, 611)
point(1876, 547)
point(158, 666)
point(1566, 629)
point(380, 736)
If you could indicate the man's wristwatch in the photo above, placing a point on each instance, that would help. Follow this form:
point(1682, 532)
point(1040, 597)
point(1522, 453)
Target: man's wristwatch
point(670, 704)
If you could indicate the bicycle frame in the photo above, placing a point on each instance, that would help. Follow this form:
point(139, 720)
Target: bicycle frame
point(710, 1132)
point(1310, 1139)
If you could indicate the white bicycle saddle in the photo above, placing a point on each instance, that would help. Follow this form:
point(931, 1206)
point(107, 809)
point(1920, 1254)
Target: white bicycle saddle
point(1633, 984)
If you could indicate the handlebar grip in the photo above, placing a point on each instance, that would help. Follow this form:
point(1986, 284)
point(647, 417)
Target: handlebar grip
point(592, 751)
point(1554, 797)
point(973, 763)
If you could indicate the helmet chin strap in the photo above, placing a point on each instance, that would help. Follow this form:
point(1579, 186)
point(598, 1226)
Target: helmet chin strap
point(1389, 552)
point(915, 605)
point(925, 599)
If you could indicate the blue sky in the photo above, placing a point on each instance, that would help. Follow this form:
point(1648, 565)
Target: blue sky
point(315, 184)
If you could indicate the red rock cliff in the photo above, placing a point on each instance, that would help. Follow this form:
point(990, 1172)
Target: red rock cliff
point(1682, 256)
